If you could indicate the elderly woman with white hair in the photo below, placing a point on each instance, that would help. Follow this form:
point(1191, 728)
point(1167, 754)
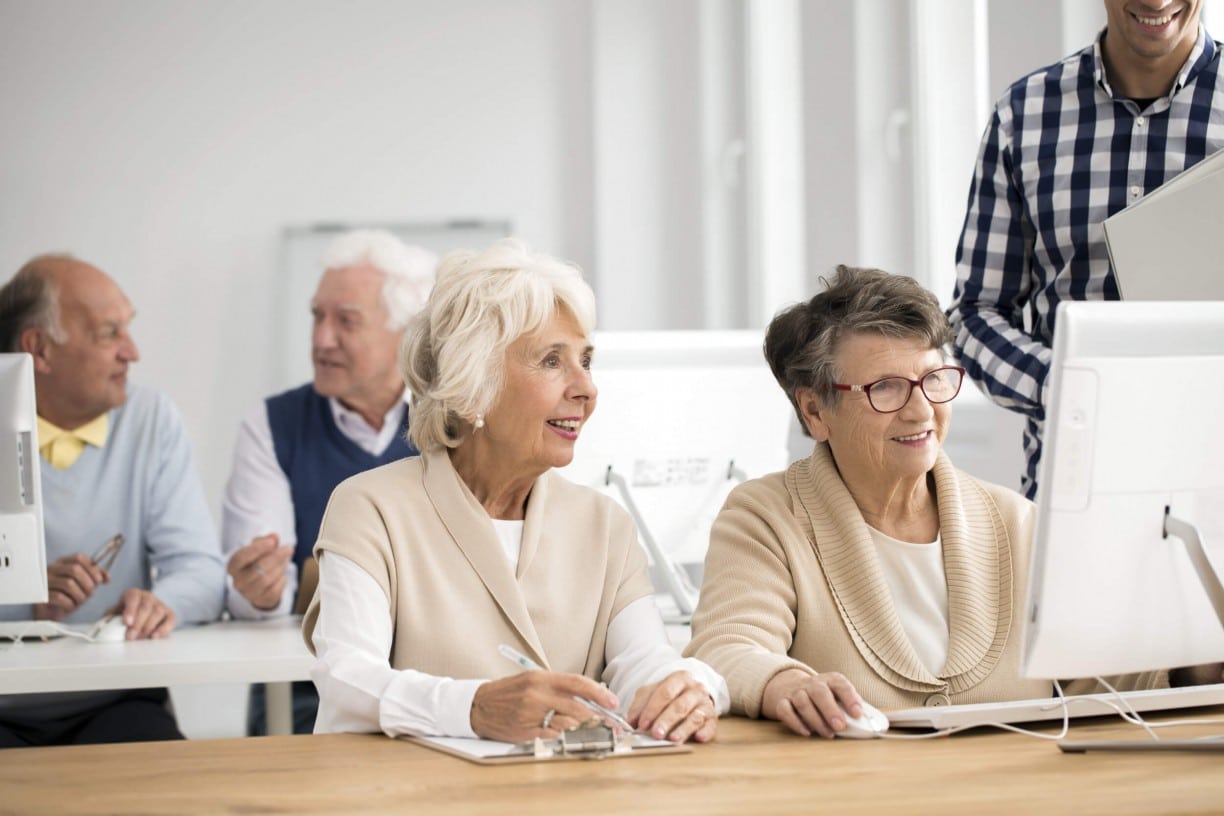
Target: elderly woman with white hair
point(430, 565)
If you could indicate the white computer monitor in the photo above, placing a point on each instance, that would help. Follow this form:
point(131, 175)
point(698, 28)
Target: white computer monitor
point(1133, 460)
point(23, 555)
point(682, 417)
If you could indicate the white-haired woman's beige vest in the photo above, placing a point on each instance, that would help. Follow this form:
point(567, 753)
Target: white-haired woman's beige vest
point(454, 596)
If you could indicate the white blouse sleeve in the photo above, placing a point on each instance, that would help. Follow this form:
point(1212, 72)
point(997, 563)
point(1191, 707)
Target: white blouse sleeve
point(257, 501)
point(358, 689)
point(639, 653)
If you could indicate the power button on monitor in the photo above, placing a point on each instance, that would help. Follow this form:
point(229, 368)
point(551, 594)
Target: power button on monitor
point(1071, 443)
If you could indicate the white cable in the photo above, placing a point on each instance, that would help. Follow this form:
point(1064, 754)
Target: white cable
point(17, 636)
point(1131, 716)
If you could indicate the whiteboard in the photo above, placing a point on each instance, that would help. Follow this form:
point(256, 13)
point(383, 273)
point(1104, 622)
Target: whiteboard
point(302, 248)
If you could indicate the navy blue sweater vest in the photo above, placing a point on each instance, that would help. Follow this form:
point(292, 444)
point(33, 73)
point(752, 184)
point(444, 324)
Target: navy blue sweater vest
point(316, 457)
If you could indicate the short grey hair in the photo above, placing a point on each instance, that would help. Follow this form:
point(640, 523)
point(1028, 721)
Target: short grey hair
point(408, 271)
point(30, 300)
point(802, 341)
point(453, 352)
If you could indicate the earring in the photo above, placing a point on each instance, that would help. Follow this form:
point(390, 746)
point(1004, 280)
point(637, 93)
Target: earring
point(479, 423)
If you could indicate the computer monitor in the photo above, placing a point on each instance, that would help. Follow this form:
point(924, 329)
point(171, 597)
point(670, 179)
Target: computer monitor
point(1131, 474)
point(23, 555)
point(682, 417)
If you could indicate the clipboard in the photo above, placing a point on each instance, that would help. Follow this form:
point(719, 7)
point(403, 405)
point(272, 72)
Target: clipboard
point(591, 742)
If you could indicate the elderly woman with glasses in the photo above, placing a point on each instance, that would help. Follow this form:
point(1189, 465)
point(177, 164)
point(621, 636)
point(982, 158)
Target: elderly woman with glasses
point(873, 570)
point(434, 570)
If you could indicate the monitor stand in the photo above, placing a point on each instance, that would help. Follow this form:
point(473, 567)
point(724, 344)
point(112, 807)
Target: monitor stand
point(1189, 534)
point(1206, 744)
point(675, 577)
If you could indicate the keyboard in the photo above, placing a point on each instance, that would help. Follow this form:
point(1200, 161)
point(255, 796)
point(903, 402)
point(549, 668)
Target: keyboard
point(1051, 708)
point(37, 630)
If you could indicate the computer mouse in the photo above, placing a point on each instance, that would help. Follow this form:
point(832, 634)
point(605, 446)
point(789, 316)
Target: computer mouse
point(110, 629)
point(871, 723)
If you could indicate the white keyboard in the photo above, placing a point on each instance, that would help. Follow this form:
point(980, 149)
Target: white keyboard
point(38, 629)
point(1051, 708)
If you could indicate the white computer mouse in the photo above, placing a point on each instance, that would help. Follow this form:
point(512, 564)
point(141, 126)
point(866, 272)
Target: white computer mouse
point(110, 629)
point(871, 723)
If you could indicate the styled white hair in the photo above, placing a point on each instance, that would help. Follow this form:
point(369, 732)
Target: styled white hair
point(453, 353)
point(408, 271)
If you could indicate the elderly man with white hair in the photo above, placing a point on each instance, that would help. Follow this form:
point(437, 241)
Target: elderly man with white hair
point(295, 447)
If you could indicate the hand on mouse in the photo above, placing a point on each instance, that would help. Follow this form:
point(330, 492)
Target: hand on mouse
point(145, 615)
point(808, 703)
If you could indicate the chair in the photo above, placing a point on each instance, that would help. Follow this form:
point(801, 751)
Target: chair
point(308, 581)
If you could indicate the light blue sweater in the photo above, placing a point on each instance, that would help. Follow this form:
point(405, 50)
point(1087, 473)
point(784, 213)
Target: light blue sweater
point(142, 483)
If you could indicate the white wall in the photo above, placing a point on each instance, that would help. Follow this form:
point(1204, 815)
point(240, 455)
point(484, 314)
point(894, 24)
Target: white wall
point(169, 142)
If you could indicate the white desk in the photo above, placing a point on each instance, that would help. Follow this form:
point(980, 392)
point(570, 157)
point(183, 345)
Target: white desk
point(269, 651)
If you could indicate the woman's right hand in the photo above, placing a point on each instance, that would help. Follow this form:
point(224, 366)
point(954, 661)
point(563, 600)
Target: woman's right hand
point(514, 709)
point(808, 703)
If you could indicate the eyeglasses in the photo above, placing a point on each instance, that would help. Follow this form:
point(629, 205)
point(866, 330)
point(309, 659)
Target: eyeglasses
point(890, 394)
point(105, 555)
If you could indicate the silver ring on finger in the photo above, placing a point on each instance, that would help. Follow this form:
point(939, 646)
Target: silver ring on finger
point(548, 718)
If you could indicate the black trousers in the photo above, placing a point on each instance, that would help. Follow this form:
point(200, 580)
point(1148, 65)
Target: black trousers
point(305, 707)
point(140, 715)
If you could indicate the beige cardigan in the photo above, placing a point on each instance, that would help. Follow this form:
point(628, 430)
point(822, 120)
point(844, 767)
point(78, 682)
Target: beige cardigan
point(420, 533)
point(792, 580)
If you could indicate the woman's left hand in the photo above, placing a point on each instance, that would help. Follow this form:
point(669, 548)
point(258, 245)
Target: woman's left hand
point(676, 708)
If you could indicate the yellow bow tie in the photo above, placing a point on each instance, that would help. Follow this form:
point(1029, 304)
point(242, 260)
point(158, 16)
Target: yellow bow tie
point(62, 448)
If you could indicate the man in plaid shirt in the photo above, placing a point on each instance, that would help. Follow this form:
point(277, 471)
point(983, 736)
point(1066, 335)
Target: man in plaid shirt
point(1068, 146)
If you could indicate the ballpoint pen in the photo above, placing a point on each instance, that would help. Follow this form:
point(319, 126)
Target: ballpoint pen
point(607, 713)
point(526, 662)
point(518, 657)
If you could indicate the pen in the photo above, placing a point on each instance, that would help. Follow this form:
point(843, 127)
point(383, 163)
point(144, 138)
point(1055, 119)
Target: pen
point(607, 713)
point(526, 662)
point(518, 657)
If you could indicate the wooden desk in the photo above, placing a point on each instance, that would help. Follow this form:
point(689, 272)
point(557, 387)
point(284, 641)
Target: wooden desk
point(753, 767)
point(270, 651)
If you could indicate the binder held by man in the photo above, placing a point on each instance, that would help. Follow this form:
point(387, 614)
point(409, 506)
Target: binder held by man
point(1169, 245)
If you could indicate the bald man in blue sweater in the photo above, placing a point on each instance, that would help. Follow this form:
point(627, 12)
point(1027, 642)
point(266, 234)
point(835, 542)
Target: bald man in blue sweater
point(117, 460)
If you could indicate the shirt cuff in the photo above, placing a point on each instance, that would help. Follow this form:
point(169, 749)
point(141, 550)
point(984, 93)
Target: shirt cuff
point(455, 699)
point(710, 680)
point(418, 703)
point(242, 609)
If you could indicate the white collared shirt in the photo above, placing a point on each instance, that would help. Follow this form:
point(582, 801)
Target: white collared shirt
point(358, 431)
point(258, 499)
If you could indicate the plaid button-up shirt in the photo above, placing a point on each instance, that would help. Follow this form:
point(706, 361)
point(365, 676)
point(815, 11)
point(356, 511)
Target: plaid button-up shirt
point(1062, 153)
